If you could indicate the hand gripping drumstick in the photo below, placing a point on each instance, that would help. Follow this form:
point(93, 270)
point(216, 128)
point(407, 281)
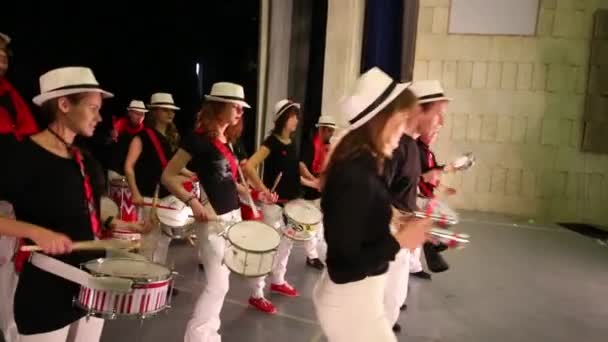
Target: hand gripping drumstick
point(244, 181)
point(93, 245)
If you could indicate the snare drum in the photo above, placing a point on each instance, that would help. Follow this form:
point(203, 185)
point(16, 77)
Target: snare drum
point(439, 211)
point(177, 224)
point(252, 248)
point(303, 220)
point(109, 208)
point(121, 194)
point(272, 215)
point(148, 296)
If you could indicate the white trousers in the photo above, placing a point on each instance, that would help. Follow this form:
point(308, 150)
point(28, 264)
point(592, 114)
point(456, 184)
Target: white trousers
point(83, 330)
point(352, 312)
point(397, 278)
point(8, 280)
point(415, 263)
point(205, 321)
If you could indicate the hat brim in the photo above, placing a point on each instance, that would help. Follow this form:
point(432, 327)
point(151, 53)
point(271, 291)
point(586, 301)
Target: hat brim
point(326, 124)
point(221, 99)
point(135, 109)
point(167, 106)
point(437, 99)
point(399, 88)
point(42, 98)
point(285, 109)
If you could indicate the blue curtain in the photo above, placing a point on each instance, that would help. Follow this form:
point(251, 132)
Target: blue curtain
point(383, 36)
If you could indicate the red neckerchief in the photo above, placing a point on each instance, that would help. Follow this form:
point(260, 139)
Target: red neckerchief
point(24, 123)
point(21, 257)
point(225, 151)
point(123, 125)
point(427, 189)
point(320, 151)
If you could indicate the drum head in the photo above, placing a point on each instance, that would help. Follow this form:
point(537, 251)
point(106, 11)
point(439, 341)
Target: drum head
point(107, 207)
point(303, 212)
point(175, 218)
point(253, 236)
point(128, 268)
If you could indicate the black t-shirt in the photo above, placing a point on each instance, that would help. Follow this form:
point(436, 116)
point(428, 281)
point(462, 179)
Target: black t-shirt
point(47, 190)
point(119, 151)
point(283, 158)
point(403, 173)
point(213, 170)
point(357, 211)
point(148, 168)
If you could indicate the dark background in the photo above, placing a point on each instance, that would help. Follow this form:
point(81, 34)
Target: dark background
point(136, 49)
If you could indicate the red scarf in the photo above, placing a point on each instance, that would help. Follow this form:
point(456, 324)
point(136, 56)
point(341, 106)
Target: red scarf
point(24, 124)
point(427, 189)
point(123, 125)
point(320, 151)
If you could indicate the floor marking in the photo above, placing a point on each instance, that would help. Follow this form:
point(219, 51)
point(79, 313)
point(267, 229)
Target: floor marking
point(279, 313)
point(515, 225)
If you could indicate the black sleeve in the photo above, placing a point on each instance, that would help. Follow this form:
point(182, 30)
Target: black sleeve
point(398, 178)
point(347, 217)
point(270, 143)
point(196, 145)
point(424, 164)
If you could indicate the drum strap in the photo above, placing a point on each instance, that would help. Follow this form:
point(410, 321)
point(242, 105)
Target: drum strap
point(159, 150)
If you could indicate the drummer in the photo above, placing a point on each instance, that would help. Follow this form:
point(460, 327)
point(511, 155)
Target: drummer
point(148, 154)
point(356, 205)
point(216, 166)
point(280, 158)
point(123, 131)
point(312, 163)
point(45, 166)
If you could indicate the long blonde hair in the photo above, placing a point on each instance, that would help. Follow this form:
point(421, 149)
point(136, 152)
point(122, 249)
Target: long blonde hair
point(172, 134)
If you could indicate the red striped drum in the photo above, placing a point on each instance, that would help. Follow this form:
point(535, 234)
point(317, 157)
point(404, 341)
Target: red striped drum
point(148, 296)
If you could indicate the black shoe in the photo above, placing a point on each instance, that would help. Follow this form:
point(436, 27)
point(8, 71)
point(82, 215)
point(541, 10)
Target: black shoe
point(403, 307)
point(174, 292)
point(315, 263)
point(421, 275)
point(441, 247)
point(434, 260)
point(396, 328)
point(201, 266)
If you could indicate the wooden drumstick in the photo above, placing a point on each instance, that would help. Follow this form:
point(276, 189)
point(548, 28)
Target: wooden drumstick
point(93, 245)
point(276, 182)
point(254, 209)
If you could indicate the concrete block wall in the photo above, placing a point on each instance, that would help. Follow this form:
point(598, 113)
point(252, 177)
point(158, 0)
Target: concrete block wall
point(518, 106)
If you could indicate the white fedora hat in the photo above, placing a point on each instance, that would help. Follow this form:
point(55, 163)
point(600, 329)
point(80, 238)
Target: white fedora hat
point(138, 106)
point(282, 106)
point(228, 93)
point(5, 37)
point(162, 100)
point(326, 121)
point(428, 91)
point(66, 81)
point(372, 91)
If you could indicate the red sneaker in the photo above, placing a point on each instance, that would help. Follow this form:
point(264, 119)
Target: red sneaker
point(262, 304)
point(285, 289)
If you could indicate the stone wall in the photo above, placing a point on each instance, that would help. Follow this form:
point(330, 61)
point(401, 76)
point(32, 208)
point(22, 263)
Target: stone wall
point(518, 105)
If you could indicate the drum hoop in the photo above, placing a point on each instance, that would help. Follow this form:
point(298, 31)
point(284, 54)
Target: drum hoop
point(190, 222)
point(248, 250)
point(122, 182)
point(115, 315)
point(136, 281)
point(244, 275)
point(297, 239)
point(295, 220)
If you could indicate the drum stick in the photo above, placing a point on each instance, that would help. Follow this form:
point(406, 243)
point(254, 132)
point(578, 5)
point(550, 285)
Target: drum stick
point(276, 182)
point(254, 209)
point(158, 206)
point(93, 245)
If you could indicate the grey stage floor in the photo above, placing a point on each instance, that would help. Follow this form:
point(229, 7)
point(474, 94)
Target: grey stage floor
point(514, 282)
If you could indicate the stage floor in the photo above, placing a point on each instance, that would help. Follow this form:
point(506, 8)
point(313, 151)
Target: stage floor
point(514, 282)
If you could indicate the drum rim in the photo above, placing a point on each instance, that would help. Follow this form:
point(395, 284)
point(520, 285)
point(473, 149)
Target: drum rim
point(190, 222)
point(248, 250)
point(119, 181)
point(135, 280)
point(283, 230)
point(245, 275)
point(115, 316)
point(304, 201)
